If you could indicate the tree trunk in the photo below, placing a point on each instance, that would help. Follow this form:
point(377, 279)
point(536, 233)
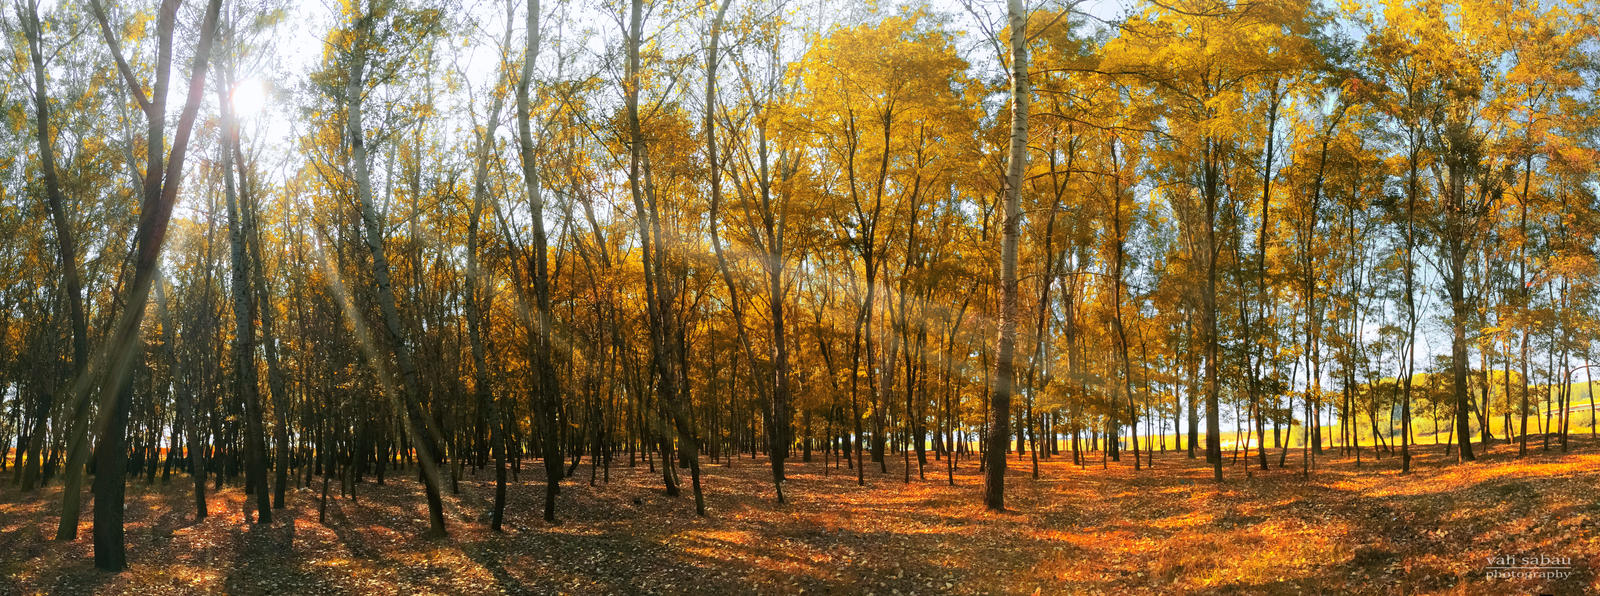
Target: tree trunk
point(1016, 162)
point(159, 196)
point(66, 243)
point(420, 425)
point(246, 382)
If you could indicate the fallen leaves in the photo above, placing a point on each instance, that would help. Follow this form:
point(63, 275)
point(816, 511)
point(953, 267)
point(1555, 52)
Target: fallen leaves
point(1076, 530)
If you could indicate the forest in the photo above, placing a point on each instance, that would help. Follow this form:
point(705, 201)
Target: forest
point(756, 296)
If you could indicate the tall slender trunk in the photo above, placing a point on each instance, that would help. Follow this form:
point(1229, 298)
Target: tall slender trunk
point(246, 380)
point(661, 291)
point(1523, 285)
point(276, 376)
point(547, 385)
point(1254, 353)
point(66, 242)
point(1016, 162)
point(1209, 316)
point(1119, 237)
point(1408, 364)
point(423, 436)
point(1455, 285)
point(161, 181)
point(479, 300)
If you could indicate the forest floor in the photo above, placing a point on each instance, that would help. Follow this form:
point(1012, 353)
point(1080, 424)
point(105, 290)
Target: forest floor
point(1075, 530)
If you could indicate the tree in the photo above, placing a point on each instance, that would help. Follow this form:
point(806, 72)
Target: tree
point(661, 289)
point(994, 485)
point(547, 387)
point(369, 28)
point(66, 243)
point(1200, 57)
point(161, 177)
point(479, 300)
point(246, 382)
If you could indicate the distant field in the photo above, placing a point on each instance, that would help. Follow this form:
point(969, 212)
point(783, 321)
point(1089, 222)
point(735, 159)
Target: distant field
point(1425, 429)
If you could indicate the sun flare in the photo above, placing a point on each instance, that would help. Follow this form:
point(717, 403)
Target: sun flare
point(249, 97)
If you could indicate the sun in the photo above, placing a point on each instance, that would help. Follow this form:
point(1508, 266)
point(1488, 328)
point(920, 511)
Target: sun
point(249, 97)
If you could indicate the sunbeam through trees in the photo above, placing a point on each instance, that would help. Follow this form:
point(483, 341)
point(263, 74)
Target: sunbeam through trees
point(1018, 296)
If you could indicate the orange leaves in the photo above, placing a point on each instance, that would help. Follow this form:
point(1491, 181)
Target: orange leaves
point(1075, 530)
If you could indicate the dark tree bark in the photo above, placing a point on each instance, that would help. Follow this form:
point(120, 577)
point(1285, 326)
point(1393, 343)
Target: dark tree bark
point(423, 435)
point(66, 242)
point(246, 379)
point(547, 386)
point(160, 190)
point(661, 289)
point(478, 300)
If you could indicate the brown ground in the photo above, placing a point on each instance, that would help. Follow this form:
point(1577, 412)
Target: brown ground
point(1094, 530)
